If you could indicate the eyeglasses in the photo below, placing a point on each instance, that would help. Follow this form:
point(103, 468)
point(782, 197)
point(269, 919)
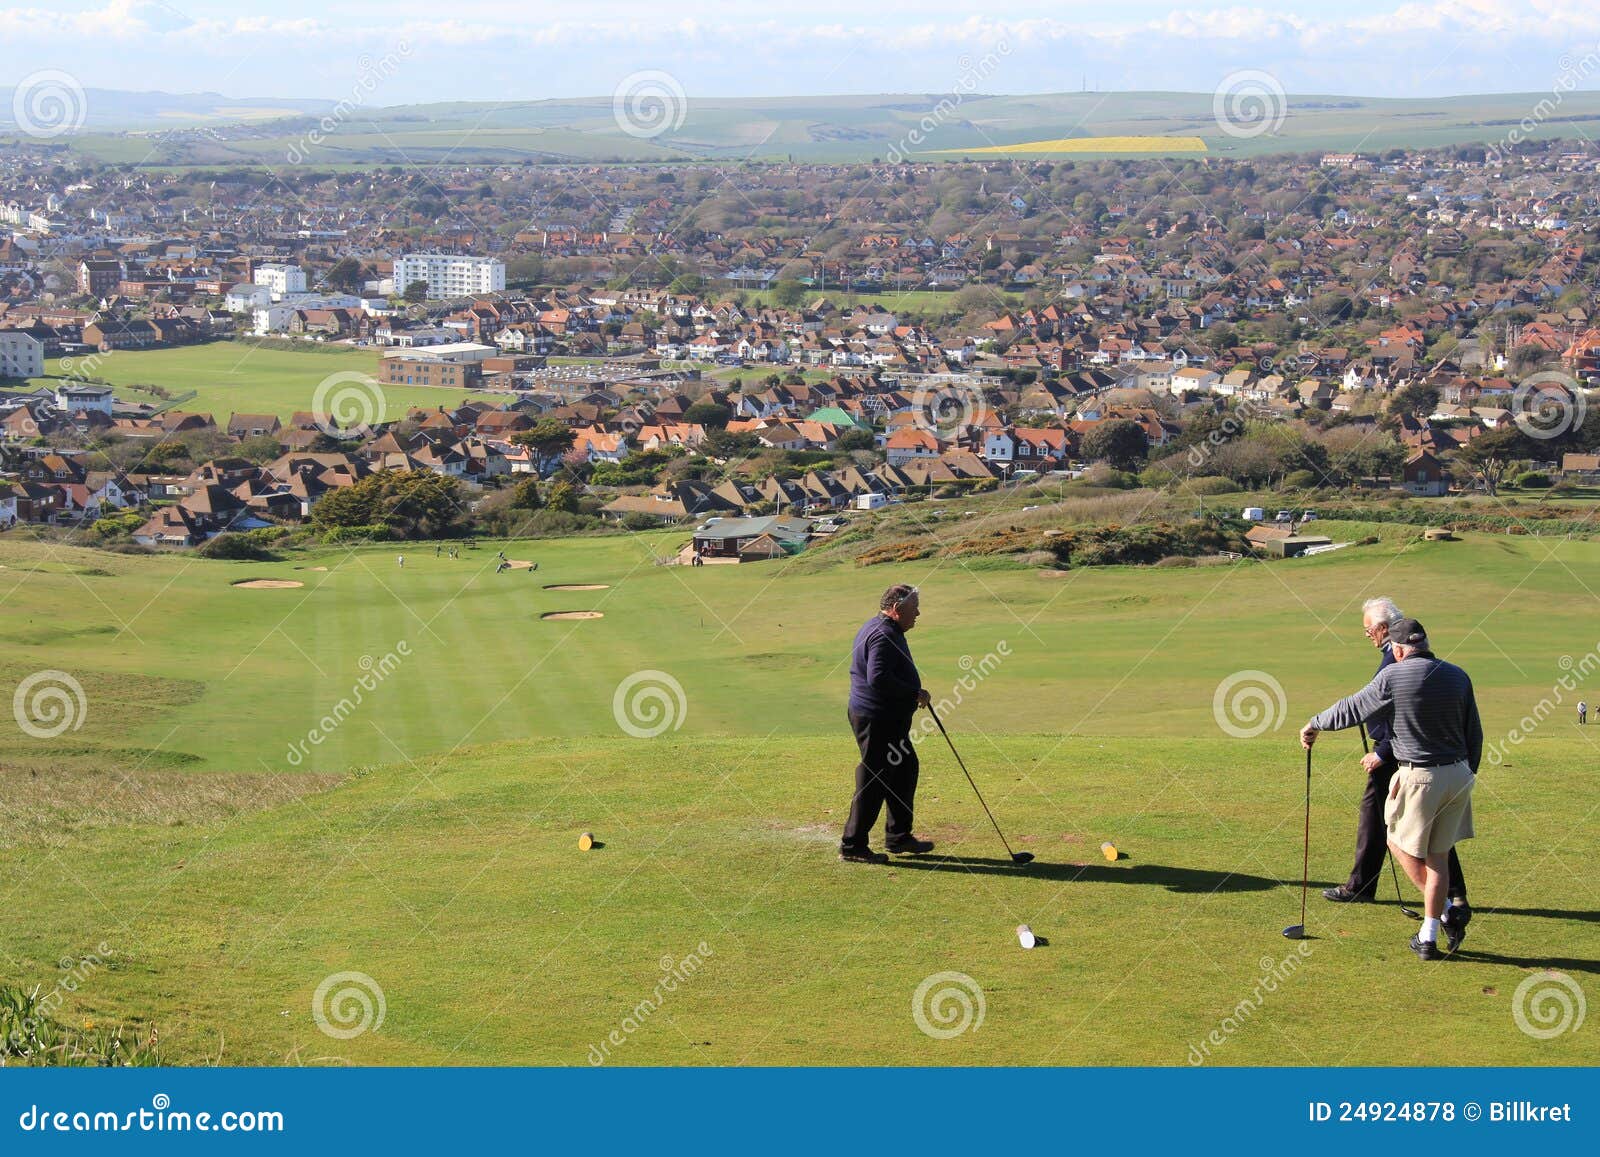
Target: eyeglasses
point(1374, 629)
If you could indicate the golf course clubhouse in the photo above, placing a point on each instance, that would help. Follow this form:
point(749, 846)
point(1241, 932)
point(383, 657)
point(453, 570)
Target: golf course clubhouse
point(751, 539)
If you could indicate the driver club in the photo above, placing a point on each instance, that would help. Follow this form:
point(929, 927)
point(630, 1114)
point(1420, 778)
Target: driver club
point(1298, 931)
point(1016, 857)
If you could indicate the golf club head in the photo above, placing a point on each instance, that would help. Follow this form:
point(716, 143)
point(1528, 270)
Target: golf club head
point(1295, 932)
point(1022, 857)
point(1412, 912)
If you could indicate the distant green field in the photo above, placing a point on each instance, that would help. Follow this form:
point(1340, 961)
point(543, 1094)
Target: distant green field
point(861, 128)
point(424, 834)
point(241, 377)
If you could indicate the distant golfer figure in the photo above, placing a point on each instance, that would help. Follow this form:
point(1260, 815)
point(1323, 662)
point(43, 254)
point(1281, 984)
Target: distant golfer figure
point(885, 692)
point(401, 559)
point(1583, 711)
point(1380, 766)
point(1438, 741)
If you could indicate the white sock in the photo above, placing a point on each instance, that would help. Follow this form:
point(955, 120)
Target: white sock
point(1430, 930)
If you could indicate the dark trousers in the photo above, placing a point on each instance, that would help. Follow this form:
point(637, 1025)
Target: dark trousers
point(1372, 841)
point(886, 775)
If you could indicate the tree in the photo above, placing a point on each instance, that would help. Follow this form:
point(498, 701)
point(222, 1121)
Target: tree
point(787, 293)
point(1120, 443)
point(562, 497)
point(416, 292)
point(857, 439)
point(709, 414)
point(259, 448)
point(1490, 455)
point(409, 503)
point(344, 274)
point(1416, 399)
point(549, 439)
point(525, 495)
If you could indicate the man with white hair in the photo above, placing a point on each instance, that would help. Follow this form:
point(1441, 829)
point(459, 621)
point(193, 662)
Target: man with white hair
point(1377, 616)
point(1438, 744)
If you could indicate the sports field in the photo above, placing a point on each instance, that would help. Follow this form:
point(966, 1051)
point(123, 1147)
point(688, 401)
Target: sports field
point(385, 770)
point(239, 377)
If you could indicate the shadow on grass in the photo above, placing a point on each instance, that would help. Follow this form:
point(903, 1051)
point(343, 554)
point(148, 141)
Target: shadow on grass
point(1558, 963)
point(1187, 880)
point(1590, 917)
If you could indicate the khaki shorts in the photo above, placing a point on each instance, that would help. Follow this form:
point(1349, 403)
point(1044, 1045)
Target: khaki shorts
point(1430, 808)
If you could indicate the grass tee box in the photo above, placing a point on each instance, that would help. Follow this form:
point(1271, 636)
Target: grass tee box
point(241, 377)
point(380, 779)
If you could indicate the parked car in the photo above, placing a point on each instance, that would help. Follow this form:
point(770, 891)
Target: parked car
point(1309, 516)
point(1285, 516)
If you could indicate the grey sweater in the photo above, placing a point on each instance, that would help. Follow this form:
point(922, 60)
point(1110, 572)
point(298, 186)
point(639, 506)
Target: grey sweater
point(1428, 702)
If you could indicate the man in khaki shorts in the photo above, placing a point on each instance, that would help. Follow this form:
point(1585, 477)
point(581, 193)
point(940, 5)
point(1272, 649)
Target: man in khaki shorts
point(1438, 742)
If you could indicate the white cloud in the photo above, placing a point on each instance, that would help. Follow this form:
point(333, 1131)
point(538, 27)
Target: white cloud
point(480, 49)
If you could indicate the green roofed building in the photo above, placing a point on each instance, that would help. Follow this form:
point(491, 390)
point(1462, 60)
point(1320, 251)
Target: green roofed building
point(838, 417)
point(766, 537)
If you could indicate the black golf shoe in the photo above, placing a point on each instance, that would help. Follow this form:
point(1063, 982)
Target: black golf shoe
point(1426, 949)
point(911, 847)
point(862, 856)
point(1343, 895)
point(1454, 922)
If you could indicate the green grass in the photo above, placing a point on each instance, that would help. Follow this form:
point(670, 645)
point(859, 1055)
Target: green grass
point(858, 128)
point(442, 862)
point(241, 377)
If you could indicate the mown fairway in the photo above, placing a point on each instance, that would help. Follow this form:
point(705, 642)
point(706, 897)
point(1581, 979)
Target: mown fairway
point(429, 839)
point(240, 377)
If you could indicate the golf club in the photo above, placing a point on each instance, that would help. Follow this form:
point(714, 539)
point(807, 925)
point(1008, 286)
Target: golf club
point(1393, 871)
point(1298, 931)
point(1016, 857)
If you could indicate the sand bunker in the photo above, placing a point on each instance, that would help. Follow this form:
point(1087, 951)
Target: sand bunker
point(310, 568)
point(572, 615)
point(576, 587)
point(519, 563)
point(266, 584)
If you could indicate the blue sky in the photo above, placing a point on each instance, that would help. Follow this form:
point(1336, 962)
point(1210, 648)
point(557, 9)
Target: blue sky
point(482, 50)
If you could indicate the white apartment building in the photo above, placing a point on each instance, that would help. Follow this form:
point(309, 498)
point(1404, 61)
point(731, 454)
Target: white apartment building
point(281, 280)
point(448, 275)
point(21, 356)
point(245, 297)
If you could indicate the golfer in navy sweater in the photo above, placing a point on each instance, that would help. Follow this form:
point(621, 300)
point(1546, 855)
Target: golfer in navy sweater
point(885, 692)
